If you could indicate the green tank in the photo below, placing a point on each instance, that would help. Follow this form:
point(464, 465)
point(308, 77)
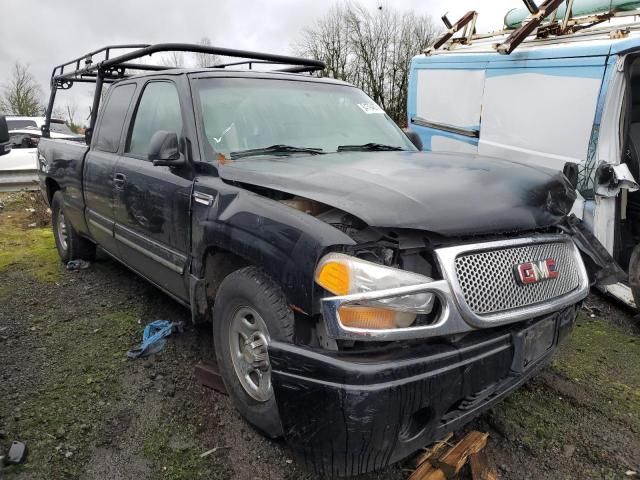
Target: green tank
point(514, 17)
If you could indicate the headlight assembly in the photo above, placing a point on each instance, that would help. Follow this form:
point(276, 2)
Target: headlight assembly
point(343, 274)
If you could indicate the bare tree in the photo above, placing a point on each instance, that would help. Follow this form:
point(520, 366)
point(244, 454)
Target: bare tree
point(204, 60)
point(22, 94)
point(70, 118)
point(371, 49)
point(173, 59)
point(328, 41)
point(71, 113)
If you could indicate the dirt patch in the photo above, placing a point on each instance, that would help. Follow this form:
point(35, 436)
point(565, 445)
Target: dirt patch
point(87, 412)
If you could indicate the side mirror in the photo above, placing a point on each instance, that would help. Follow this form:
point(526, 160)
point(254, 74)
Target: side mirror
point(610, 179)
point(164, 149)
point(5, 141)
point(414, 137)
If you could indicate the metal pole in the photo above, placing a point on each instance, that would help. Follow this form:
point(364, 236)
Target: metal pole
point(96, 104)
point(567, 16)
point(47, 114)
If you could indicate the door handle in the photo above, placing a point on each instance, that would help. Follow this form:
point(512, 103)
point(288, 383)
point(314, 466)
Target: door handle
point(119, 180)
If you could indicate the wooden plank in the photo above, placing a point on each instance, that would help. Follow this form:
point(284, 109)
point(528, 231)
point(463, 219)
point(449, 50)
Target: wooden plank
point(426, 471)
point(480, 469)
point(453, 460)
point(209, 376)
point(435, 450)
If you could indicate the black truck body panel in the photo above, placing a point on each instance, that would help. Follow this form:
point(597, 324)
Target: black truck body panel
point(285, 242)
point(435, 192)
point(345, 408)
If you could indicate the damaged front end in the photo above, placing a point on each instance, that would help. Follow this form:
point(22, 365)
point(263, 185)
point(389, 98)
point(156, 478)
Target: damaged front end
point(425, 334)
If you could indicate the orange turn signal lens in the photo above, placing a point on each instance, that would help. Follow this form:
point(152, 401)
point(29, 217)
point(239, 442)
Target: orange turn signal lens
point(355, 316)
point(369, 318)
point(334, 277)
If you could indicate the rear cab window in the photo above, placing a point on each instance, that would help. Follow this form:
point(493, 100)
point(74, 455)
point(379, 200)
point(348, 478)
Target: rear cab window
point(109, 130)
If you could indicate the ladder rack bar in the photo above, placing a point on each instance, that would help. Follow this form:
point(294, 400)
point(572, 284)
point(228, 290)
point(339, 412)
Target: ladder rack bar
point(531, 23)
point(459, 25)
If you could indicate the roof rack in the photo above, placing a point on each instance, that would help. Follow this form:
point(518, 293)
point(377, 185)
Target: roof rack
point(114, 62)
point(543, 22)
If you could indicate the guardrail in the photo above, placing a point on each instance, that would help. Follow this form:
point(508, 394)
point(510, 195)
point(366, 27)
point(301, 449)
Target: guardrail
point(16, 180)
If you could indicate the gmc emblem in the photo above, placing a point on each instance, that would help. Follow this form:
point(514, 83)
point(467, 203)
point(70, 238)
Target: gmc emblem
point(534, 272)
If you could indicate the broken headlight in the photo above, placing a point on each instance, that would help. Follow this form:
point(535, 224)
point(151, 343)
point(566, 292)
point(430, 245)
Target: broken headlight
point(343, 274)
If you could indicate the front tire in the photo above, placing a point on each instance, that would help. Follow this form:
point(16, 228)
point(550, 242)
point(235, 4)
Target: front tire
point(249, 311)
point(70, 245)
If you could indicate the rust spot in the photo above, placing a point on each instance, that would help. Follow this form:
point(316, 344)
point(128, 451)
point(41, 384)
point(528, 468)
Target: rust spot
point(223, 160)
point(296, 308)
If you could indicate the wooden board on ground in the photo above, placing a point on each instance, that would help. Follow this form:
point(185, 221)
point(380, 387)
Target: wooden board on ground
point(454, 459)
point(424, 469)
point(480, 469)
point(209, 376)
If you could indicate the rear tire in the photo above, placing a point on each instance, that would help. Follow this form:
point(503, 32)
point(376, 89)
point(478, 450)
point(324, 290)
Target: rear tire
point(70, 245)
point(249, 311)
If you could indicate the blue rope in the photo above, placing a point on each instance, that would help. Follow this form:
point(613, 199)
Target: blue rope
point(153, 338)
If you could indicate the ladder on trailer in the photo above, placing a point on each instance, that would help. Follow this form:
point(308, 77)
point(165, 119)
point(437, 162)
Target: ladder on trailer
point(542, 22)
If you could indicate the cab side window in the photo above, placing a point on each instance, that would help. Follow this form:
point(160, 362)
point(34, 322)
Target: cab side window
point(108, 135)
point(159, 109)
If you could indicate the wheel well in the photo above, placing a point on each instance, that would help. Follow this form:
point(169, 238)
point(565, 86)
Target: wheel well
point(218, 264)
point(52, 188)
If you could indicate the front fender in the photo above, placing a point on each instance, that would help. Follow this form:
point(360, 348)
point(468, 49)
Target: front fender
point(284, 242)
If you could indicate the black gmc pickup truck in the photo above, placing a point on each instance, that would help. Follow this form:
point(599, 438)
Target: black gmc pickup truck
point(365, 297)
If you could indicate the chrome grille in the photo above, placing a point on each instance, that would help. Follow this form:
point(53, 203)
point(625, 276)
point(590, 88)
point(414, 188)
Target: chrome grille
point(488, 281)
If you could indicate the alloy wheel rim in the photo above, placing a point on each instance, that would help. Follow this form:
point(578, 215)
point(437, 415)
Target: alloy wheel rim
point(62, 231)
point(248, 342)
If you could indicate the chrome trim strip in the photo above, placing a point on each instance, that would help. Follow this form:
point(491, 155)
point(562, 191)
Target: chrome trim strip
point(99, 226)
point(181, 301)
point(203, 198)
point(162, 261)
point(445, 127)
point(456, 316)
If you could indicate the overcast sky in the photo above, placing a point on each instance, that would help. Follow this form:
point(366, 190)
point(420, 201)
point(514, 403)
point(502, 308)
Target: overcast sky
point(43, 33)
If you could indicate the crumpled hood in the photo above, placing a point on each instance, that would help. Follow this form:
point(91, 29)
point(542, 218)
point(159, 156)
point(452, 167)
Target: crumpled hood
point(445, 193)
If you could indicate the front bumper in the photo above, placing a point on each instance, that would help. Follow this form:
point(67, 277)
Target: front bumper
point(347, 414)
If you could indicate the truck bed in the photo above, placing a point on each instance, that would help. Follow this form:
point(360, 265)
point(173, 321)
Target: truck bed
point(60, 164)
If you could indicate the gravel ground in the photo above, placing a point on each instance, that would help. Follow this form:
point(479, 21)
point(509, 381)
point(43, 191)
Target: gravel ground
point(87, 412)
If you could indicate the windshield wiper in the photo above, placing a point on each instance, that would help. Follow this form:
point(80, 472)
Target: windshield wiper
point(369, 147)
point(275, 150)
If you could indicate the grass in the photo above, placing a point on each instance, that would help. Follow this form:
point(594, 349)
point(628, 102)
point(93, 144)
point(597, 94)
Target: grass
point(606, 360)
point(601, 365)
point(29, 248)
point(168, 446)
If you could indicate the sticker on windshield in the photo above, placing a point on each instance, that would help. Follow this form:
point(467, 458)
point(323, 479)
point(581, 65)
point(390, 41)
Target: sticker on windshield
point(369, 108)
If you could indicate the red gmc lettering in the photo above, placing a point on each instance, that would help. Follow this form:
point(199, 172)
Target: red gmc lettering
point(533, 272)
